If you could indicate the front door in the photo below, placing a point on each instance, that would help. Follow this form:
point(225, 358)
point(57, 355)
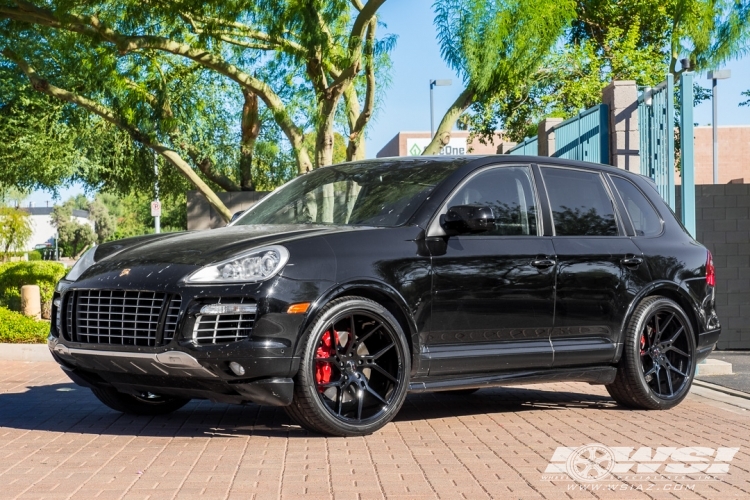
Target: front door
point(493, 292)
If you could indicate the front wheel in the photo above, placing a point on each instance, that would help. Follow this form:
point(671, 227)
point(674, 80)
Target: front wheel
point(658, 361)
point(143, 404)
point(354, 371)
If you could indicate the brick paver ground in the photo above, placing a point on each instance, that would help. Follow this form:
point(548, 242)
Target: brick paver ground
point(58, 441)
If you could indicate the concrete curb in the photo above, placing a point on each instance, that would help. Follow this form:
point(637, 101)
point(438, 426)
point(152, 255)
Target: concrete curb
point(721, 388)
point(25, 352)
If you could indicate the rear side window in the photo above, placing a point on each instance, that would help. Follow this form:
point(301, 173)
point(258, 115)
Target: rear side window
point(580, 203)
point(645, 219)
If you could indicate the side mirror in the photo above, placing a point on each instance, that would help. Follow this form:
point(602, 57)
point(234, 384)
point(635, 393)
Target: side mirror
point(463, 219)
point(236, 216)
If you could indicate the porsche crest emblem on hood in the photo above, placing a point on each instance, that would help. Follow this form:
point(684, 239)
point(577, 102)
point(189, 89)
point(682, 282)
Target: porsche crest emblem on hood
point(124, 272)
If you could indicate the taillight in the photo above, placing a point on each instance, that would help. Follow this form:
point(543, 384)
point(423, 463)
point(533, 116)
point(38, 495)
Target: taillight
point(710, 271)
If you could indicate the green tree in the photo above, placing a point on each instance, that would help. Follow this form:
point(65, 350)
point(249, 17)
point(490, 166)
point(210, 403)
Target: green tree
point(104, 222)
point(495, 47)
point(73, 236)
point(618, 39)
point(15, 229)
point(174, 75)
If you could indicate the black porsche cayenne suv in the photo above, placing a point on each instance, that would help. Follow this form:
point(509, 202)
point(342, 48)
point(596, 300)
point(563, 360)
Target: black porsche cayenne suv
point(354, 284)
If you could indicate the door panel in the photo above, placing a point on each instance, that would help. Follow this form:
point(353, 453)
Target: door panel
point(493, 294)
point(598, 267)
point(491, 309)
point(594, 289)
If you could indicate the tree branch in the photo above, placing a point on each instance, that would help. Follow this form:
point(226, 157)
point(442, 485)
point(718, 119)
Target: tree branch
point(92, 27)
point(41, 85)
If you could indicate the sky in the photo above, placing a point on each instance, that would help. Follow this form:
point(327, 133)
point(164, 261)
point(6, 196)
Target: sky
point(416, 61)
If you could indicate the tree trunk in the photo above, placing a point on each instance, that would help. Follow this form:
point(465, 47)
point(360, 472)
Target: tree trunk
point(443, 132)
point(324, 155)
point(250, 129)
point(324, 133)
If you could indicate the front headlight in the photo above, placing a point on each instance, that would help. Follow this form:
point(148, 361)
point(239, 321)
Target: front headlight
point(255, 265)
point(86, 261)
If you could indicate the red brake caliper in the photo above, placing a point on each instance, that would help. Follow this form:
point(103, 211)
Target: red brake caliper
point(324, 369)
point(643, 344)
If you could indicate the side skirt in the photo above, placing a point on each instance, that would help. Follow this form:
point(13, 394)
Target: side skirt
point(592, 375)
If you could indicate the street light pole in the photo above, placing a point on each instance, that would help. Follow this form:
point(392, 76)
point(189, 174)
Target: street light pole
point(714, 76)
point(433, 84)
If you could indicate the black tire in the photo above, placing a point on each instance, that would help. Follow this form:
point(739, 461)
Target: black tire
point(148, 404)
point(657, 365)
point(351, 385)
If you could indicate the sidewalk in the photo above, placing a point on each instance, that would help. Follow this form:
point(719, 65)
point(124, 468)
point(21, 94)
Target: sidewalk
point(740, 378)
point(58, 441)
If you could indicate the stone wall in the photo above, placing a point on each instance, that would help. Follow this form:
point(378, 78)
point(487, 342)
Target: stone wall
point(723, 226)
point(201, 215)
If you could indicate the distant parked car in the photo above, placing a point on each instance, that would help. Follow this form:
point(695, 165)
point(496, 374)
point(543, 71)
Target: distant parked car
point(354, 284)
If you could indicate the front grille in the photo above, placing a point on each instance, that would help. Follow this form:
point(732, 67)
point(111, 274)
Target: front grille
point(115, 317)
point(68, 331)
point(170, 323)
point(223, 328)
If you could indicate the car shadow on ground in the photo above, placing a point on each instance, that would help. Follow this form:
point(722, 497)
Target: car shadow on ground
point(70, 408)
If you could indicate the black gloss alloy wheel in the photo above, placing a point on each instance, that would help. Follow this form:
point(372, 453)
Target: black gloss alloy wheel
point(665, 353)
point(353, 376)
point(658, 361)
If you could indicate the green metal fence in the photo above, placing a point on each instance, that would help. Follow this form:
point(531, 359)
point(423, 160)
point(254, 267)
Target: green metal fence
point(584, 137)
point(656, 128)
point(529, 147)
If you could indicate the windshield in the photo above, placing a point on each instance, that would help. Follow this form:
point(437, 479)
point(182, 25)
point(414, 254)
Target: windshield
point(377, 193)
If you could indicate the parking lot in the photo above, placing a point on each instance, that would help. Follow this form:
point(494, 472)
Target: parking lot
point(58, 441)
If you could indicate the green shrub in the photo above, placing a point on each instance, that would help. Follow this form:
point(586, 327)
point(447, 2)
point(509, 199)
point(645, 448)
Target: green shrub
point(15, 328)
point(13, 275)
point(35, 255)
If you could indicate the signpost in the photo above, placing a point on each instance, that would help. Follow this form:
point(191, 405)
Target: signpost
point(156, 214)
point(156, 204)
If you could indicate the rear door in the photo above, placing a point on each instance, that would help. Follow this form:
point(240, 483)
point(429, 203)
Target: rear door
point(599, 268)
point(493, 293)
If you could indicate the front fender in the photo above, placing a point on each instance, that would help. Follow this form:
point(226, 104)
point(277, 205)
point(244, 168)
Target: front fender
point(368, 288)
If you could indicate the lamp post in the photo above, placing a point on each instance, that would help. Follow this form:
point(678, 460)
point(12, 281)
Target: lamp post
point(714, 76)
point(433, 84)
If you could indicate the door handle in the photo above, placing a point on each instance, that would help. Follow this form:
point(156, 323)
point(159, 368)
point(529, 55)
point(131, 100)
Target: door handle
point(543, 263)
point(631, 261)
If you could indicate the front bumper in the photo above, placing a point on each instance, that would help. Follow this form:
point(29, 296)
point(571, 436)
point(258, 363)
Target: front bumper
point(267, 379)
point(183, 367)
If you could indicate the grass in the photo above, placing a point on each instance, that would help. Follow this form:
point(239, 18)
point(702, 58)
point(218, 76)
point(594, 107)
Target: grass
point(15, 328)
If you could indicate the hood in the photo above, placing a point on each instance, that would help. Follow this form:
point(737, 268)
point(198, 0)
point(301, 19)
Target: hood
point(199, 248)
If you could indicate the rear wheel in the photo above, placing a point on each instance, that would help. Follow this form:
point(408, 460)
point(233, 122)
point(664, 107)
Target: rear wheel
point(143, 404)
point(354, 371)
point(658, 361)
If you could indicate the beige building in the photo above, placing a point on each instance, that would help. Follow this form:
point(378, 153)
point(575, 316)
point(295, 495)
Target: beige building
point(413, 143)
point(734, 154)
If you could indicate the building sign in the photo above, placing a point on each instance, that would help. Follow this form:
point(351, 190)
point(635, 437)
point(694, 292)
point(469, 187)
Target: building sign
point(456, 146)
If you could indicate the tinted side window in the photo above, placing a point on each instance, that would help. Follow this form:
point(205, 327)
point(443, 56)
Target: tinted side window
point(580, 203)
point(645, 219)
point(507, 190)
